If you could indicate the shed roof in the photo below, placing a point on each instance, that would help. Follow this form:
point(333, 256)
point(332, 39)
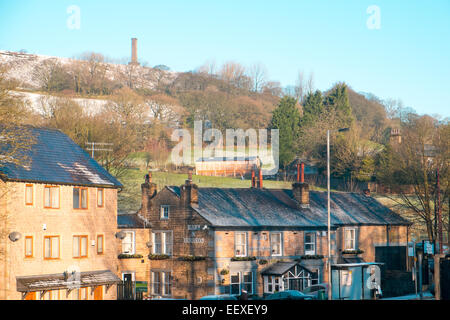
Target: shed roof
point(59, 281)
point(56, 159)
point(131, 221)
point(254, 207)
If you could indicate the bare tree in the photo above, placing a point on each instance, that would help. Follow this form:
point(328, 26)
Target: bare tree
point(310, 83)
point(300, 87)
point(258, 74)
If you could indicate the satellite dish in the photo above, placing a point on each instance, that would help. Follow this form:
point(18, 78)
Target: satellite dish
point(14, 236)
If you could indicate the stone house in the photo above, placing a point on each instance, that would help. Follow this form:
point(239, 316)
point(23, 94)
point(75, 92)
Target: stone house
point(207, 241)
point(58, 224)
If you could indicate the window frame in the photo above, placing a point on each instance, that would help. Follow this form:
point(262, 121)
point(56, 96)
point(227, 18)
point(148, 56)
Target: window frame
point(80, 198)
point(164, 245)
point(353, 239)
point(162, 211)
point(133, 242)
point(314, 243)
point(102, 191)
point(80, 237)
point(32, 246)
point(32, 194)
point(272, 234)
point(162, 283)
point(51, 202)
point(51, 249)
point(103, 244)
point(244, 244)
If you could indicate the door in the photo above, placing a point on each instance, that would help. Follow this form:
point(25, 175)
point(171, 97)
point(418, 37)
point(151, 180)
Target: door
point(128, 288)
point(98, 293)
point(30, 296)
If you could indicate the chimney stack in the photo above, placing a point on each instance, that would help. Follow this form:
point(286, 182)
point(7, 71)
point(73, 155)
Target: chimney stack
point(134, 59)
point(300, 189)
point(189, 191)
point(149, 190)
point(253, 179)
point(260, 178)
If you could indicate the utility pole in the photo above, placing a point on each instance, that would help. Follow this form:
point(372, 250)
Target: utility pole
point(439, 211)
point(330, 296)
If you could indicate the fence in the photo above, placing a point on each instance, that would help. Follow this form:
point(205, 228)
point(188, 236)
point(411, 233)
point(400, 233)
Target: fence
point(126, 290)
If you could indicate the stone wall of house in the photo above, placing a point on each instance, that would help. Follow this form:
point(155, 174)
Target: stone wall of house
point(139, 266)
point(37, 222)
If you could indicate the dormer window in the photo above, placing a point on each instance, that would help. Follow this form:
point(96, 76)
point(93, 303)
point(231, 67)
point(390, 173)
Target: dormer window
point(165, 212)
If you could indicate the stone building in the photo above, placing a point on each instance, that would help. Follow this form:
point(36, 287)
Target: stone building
point(58, 224)
point(207, 241)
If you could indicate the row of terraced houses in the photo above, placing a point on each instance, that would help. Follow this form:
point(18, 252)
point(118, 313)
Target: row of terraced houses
point(62, 236)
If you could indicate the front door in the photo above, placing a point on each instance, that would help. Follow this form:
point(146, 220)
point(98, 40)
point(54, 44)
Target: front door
point(98, 293)
point(128, 289)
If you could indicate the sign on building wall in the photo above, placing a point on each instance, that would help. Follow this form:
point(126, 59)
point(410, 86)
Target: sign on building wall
point(194, 240)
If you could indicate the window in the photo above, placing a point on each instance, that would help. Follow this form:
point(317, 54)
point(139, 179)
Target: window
point(50, 295)
point(272, 284)
point(28, 247)
point(241, 281)
point(162, 242)
point(241, 244)
point(29, 194)
point(51, 247)
point(275, 244)
point(165, 212)
point(310, 243)
point(248, 282)
point(128, 243)
point(161, 283)
point(315, 277)
point(349, 238)
point(100, 201)
point(100, 243)
point(80, 294)
point(80, 200)
point(51, 197)
point(80, 246)
point(235, 283)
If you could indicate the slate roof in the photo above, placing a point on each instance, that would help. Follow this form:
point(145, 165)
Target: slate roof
point(281, 267)
point(254, 207)
point(56, 159)
point(57, 281)
point(131, 221)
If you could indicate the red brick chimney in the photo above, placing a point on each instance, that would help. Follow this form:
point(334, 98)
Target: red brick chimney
point(134, 59)
point(300, 189)
point(260, 178)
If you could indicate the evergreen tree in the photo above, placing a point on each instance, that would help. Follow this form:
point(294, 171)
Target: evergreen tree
point(339, 101)
point(286, 118)
point(312, 107)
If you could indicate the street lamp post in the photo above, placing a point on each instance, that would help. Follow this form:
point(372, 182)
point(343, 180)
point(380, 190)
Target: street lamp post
point(329, 210)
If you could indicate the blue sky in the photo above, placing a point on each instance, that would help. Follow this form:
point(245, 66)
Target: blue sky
point(408, 58)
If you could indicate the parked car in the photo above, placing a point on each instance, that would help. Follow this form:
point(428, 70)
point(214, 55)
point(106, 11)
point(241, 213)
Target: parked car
point(289, 295)
point(219, 297)
point(317, 290)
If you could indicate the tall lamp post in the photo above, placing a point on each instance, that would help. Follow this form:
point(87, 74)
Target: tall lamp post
point(329, 209)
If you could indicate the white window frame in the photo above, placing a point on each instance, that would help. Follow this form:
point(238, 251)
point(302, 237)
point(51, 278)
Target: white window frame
point(313, 243)
point(272, 234)
point(163, 210)
point(166, 247)
point(133, 242)
point(353, 239)
point(274, 280)
point(244, 254)
point(162, 283)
